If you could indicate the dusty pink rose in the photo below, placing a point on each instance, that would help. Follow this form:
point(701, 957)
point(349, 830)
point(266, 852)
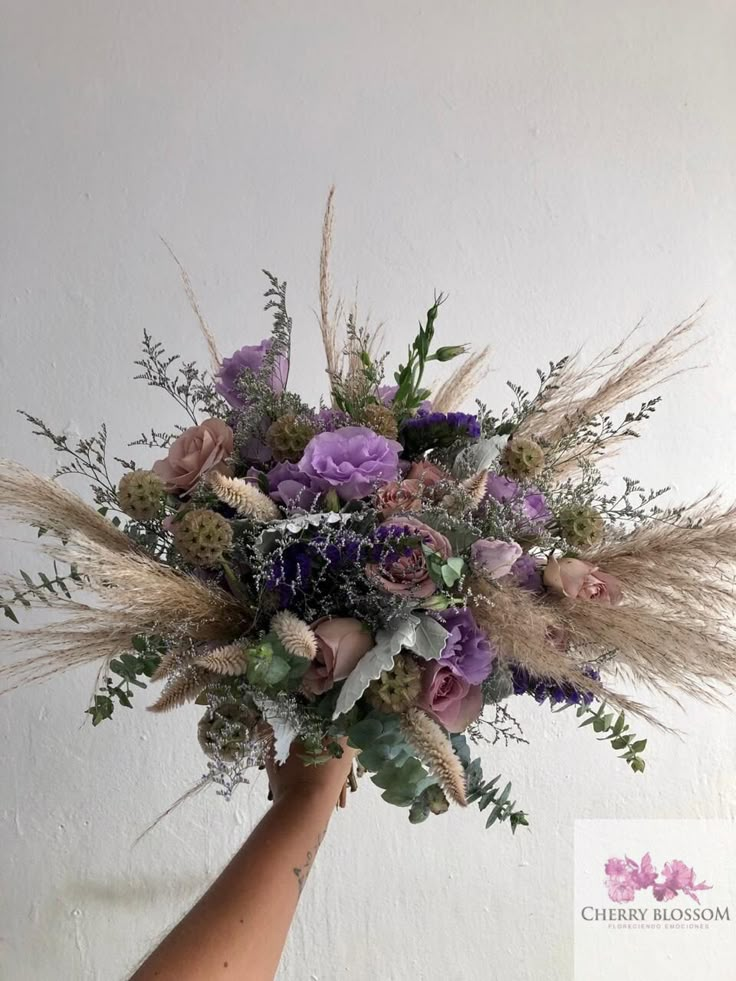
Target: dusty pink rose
point(341, 643)
point(581, 580)
point(493, 557)
point(428, 474)
point(405, 495)
point(408, 573)
point(450, 699)
point(193, 454)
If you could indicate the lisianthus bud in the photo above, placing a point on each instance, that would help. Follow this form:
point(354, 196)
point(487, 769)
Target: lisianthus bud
point(331, 502)
point(202, 537)
point(440, 601)
point(580, 525)
point(141, 494)
point(449, 352)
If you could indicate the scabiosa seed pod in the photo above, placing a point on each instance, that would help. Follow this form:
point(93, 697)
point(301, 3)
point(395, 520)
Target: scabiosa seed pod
point(381, 420)
point(398, 688)
point(288, 436)
point(202, 537)
point(141, 494)
point(581, 525)
point(522, 457)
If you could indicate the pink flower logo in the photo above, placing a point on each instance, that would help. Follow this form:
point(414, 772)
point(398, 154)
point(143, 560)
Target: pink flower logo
point(625, 877)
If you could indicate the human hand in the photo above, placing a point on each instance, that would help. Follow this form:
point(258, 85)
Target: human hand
point(297, 778)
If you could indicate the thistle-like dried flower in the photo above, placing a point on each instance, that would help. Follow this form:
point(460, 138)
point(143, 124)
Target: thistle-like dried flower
point(288, 436)
point(396, 689)
point(296, 636)
point(522, 457)
point(436, 752)
point(230, 660)
point(141, 494)
point(183, 687)
point(476, 487)
point(244, 497)
point(381, 420)
point(581, 525)
point(226, 731)
point(202, 537)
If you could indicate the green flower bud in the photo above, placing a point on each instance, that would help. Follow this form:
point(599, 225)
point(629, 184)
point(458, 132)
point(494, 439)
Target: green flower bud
point(449, 352)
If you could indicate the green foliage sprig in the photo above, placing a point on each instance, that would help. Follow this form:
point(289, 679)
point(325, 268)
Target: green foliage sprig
point(410, 394)
point(486, 793)
point(39, 590)
point(616, 732)
point(142, 660)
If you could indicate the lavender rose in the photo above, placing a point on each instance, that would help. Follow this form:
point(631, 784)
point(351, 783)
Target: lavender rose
point(195, 453)
point(408, 574)
point(581, 580)
point(467, 651)
point(341, 643)
point(495, 558)
point(353, 460)
point(249, 357)
point(450, 699)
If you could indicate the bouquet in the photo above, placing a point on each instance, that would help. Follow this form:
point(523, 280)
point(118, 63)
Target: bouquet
point(384, 568)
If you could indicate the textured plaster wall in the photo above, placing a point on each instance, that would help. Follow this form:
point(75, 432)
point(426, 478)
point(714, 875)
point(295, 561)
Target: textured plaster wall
point(561, 168)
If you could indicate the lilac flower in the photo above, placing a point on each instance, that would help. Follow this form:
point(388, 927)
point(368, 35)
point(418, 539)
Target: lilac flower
point(353, 460)
point(533, 503)
point(251, 358)
point(290, 486)
point(467, 651)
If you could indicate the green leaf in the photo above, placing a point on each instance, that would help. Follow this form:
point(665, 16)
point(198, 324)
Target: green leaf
point(638, 765)
point(362, 734)
point(10, 614)
point(639, 746)
point(265, 672)
point(101, 709)
point(27, 579)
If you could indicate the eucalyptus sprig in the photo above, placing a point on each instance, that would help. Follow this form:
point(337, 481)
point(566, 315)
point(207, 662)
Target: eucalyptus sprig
point(617, 733)
point(39, 590)
point(142, 660)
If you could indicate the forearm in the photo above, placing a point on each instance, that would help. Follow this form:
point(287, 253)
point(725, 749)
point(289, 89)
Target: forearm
point(238, 928)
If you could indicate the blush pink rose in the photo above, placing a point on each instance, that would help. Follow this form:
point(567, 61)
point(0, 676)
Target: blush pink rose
point(450, 699)
point(405, 495)
point(196, 452)
point(428, 474)
point(495, 558)
point(341, 643)
point(581, 580)
point(408, 575)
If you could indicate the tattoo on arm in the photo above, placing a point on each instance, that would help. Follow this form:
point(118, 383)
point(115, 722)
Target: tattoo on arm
point(302, 871)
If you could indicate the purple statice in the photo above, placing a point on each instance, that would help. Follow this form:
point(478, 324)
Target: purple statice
point(467, 651)
point(531, 502)
point(527, 573)
point(353, 460)
point(544, 689)
point(436, 430)
point(249, 358)
point(290, 486)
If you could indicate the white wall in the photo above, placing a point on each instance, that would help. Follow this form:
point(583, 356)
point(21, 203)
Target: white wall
point(562, 169)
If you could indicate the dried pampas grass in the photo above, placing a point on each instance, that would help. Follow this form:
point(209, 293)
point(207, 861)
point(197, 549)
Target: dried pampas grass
point(215, 359)
point(29, 499)
point(464, 379)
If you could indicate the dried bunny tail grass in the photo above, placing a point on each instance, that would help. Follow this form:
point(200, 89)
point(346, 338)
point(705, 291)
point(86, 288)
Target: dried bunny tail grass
point(183, 687)
point(246, 498)
point(215, 359)
point(168, 664)
point(435, 750)
point(44, 503)
point(452, 393)
point(476, 487)
point(230, 660)
point(663, 650)
point(616, 376)
point(295, 635)
point(327, 322)
point(522, 627)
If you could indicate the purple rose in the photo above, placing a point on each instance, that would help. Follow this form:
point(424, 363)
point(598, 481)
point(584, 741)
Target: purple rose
point(249, 357)
point(452, 701)
point(290, 486)
point(353, 460)
point(467, 651)
point(533, 503)
point(495, 558)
